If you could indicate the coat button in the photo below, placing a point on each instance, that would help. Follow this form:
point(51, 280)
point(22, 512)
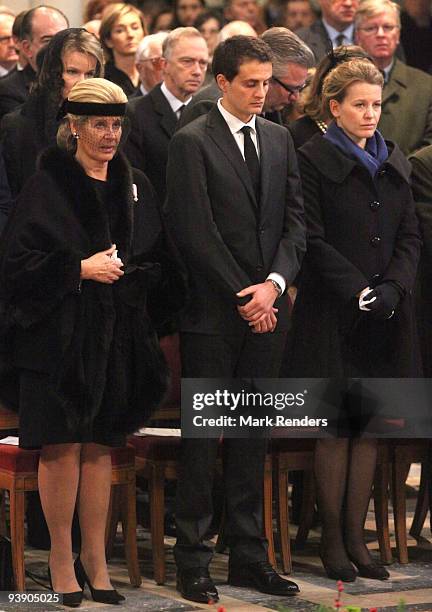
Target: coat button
point(375, 279)
point(382, 172)
point(375, 241)
point(374, 205)
point(259, 268)
point(261, 231)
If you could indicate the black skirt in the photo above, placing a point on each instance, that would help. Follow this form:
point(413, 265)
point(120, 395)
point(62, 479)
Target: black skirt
point(43, 420)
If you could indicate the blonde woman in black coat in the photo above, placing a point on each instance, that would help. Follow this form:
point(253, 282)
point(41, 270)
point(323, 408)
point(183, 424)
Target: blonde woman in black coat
point(353, 316)
point(75, 268)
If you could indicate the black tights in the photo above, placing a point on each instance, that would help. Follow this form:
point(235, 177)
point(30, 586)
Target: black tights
point(344, 471)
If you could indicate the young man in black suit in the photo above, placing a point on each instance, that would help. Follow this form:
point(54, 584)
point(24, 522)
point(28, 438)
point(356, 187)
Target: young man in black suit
point(235, 208)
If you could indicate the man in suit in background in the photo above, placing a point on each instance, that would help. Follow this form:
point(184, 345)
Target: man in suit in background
point(38, 26)
point(154, 117)
point(243, 10)
point(335, 28)
point(291, 60)
point(235, 209)
point(406, 116)
point(148, 60)
point(8, 54)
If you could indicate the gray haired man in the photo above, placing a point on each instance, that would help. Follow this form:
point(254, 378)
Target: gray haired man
point(291, 60)
point(149, 62)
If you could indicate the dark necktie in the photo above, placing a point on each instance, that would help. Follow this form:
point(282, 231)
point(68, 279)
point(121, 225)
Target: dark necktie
point(180, 111)
point(252, 161)
point(339, 40)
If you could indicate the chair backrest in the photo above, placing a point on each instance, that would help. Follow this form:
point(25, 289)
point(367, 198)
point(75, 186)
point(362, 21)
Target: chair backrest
point(8, 419)
point(170, 346)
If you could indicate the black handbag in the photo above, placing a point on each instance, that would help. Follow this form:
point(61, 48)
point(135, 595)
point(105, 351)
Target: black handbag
point(6, 572)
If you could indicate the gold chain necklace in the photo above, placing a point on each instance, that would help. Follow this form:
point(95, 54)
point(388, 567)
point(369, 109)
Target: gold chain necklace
point(322, 126)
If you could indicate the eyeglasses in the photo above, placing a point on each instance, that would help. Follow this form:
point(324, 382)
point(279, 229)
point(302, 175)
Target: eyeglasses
point(374, 29)
point(293, 90)
point(149, 59)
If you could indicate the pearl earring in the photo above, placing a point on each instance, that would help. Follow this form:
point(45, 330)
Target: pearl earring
point(76, 135)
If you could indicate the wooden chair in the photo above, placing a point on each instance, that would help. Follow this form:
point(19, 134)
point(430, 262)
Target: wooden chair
point(381, 500)
point(156, 460)
point(423, 501)
point(405, 452)
point(18, 475)
point(292, 454)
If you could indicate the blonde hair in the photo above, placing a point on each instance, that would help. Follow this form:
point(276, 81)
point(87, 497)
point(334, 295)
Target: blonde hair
point(371, 8)
point(338, 80)
point(99, 91)
point(312, 102)
point(110, 15)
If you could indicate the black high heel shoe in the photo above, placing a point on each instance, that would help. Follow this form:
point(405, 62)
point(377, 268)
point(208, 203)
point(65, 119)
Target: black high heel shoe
point(372, 570)
point(71, 600)
point(108, 596)
point(344, 573)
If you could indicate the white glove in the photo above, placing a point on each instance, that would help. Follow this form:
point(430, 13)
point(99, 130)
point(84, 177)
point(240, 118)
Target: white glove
point(363, 302)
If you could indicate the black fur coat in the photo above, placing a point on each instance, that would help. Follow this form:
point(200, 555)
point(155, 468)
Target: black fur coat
point(95, 341)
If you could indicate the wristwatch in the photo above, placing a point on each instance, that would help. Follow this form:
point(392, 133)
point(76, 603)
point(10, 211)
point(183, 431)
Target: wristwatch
point(276, 286)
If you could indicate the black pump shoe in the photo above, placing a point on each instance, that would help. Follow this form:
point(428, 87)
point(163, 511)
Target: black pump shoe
point(372, 570)
point(346, 573)
point(71, 600)
point(107, 596)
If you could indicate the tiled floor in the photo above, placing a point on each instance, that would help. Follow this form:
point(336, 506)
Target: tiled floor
point(411, 583)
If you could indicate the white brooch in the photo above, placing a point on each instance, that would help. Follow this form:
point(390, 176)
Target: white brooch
point(135, 192)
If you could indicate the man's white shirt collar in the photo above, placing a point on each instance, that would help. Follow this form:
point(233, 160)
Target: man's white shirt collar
point(174, 102)
point(348, 33)
point(234, 123)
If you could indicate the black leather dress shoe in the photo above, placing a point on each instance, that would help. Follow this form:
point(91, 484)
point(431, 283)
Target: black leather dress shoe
point(196, 584)
point(261, 577)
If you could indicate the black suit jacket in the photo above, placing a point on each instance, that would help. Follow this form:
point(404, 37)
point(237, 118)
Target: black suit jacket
point(227, 239)
point(153, 123)
point(316, 37)
point(15, 89)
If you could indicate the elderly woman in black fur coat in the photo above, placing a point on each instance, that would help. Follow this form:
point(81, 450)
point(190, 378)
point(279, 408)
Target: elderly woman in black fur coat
point(75, 265)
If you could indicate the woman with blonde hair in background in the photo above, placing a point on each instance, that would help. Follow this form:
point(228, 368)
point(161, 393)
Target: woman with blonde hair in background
point(121, 30)
point(71, 55)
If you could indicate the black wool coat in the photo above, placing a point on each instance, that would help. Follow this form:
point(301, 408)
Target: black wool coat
point(421, 179)
point(153, 124)
point(360, 232)
point(95, 341)
point(24, 133)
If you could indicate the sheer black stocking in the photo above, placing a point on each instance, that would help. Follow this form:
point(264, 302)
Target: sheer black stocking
point(359, 484)
point(331, 469)
point(344, 473)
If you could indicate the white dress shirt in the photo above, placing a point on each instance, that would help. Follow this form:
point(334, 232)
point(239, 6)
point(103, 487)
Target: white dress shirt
point(235, 125)
point(333, 34)
point(174, 102)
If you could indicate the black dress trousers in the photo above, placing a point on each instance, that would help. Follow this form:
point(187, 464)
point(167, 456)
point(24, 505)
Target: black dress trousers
point(213, 356)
